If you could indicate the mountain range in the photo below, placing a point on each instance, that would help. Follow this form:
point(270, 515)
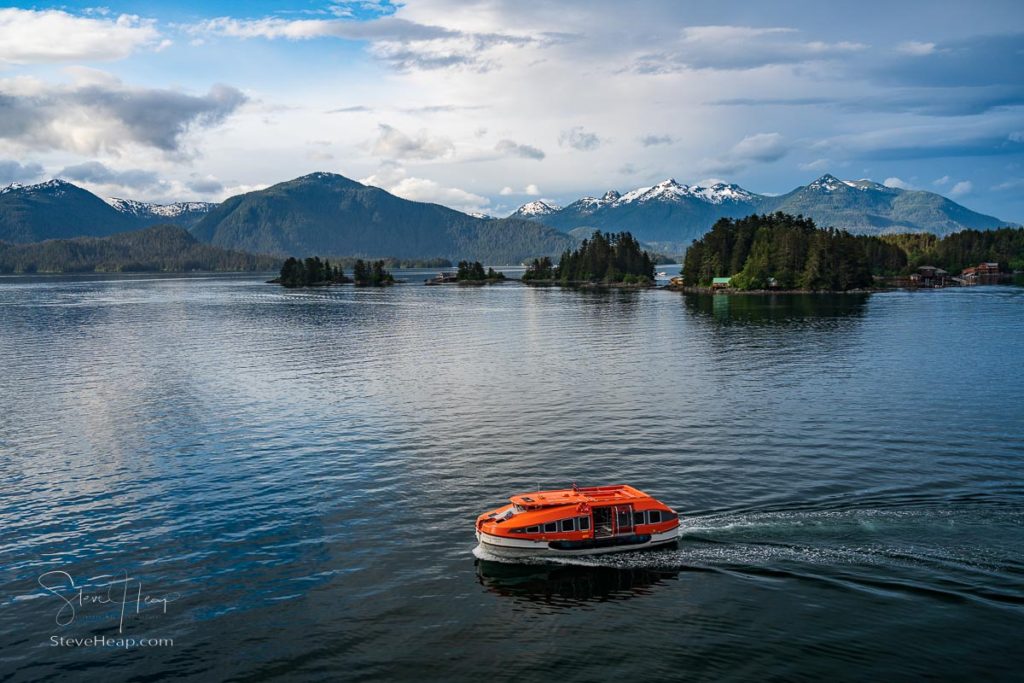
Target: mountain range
point(58, 209)
point(330, 215)
point(669, 215)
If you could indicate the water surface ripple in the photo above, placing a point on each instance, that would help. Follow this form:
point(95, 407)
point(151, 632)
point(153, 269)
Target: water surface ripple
point(301, 469)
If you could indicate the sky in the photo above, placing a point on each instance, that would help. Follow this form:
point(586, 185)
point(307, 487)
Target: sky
point(485, 105)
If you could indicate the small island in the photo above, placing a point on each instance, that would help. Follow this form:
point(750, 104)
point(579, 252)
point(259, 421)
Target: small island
point(312, 272)
point(603, 260)
point(468, 273)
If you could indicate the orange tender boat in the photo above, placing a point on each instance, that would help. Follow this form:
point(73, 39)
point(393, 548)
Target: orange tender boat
point(577, 521)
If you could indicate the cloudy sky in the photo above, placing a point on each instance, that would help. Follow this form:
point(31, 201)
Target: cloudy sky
point(486, 105)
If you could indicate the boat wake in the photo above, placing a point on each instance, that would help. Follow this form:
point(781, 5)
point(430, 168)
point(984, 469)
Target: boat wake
point(848, 548)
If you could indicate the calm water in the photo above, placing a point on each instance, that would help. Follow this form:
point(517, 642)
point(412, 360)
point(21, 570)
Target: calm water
point(297, 472)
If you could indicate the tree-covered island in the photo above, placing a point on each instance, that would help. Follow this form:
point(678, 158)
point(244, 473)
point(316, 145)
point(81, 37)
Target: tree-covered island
point(474, 273)
point(312, 272)
point(783, 252)
point(604, 259)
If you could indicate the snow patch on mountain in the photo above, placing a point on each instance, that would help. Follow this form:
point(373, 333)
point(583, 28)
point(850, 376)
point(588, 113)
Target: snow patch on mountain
point(136, 208)
point(670, 190)
point(56, 185)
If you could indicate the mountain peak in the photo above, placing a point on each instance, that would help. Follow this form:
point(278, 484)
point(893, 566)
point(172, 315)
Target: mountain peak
point(537, 207)
point(611, 195)
point(828, 183)
point(54, 184)
point(324, 176)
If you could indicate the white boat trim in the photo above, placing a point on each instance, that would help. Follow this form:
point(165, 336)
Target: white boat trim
point(523, 547)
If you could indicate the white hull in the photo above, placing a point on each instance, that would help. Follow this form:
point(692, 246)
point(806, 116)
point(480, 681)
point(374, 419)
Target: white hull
point(520, 547)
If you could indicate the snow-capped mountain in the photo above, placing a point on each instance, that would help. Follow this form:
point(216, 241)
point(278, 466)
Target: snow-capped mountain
point(534, 208)
point(53, 187)
point(179, 213)
point(58, 209)
point(670, 214)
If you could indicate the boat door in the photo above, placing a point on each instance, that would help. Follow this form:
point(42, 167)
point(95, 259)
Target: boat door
point(604, 517)
point(623, 519)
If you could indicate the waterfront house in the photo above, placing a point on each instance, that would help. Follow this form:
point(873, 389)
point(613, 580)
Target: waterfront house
point(983, 272)
point(930, 276)
point(720, 282)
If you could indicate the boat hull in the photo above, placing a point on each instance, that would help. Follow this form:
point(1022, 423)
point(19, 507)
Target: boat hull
point(501, 546)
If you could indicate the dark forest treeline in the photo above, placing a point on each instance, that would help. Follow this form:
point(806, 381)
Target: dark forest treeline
point(603, 258)
point(790, 252)
point(474, 272)
point(960, 250)
point(349, 262)
point(312, 272)
point(790, 249)
point(162, 248)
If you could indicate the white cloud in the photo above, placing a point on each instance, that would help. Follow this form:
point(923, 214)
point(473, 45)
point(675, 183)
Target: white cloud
point(405, 45)
point(962, 188)
point(531, 190)
point(757, 148)
point(739, 48)
point(1011, 184)
point(652, 139)
point(99, 113)
point(897, 183)
point(512, 148)
point(395, 180)
point(47, 36)
point(913, 47)
point(98, 173)
point(941, 181)
point(816, 165)
point(392, 143)
point(578, 138)
point(12, 171)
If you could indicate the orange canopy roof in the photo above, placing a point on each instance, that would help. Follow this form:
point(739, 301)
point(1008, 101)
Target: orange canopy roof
point(594, 495)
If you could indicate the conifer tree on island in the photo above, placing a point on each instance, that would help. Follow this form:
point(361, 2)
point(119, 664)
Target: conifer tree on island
point(604, 258)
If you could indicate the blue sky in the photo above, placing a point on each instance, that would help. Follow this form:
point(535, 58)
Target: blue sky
point(486, 105)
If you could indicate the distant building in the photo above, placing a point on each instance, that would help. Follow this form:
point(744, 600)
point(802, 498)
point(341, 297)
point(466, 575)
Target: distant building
point(720, 282)
point(930, 276)
point(983, 272)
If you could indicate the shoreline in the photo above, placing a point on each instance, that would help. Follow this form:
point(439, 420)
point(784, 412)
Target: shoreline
point(762, 292)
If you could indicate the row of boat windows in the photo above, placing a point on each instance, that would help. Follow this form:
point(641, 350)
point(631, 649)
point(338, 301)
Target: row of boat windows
point(583, 523)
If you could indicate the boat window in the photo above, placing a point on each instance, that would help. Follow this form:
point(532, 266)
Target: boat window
point(584, 523)
point(638, 518)
point(533, 529)
point(551, 526)
point(668, 516)
point(568, 524)
point(655, 516)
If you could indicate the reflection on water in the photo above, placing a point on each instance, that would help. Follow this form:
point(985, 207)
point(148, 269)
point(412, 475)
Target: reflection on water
point(775, 308)
point(567, 583)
